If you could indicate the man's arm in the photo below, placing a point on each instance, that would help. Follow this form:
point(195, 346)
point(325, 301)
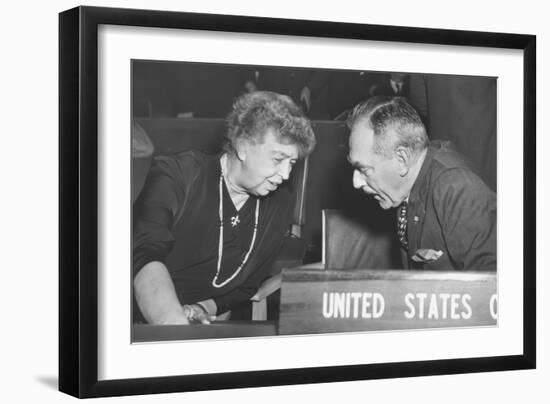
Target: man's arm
point(156, 295)
point(467, 209)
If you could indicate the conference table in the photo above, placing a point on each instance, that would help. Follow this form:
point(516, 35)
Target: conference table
point(216, 330)
point(314, 300)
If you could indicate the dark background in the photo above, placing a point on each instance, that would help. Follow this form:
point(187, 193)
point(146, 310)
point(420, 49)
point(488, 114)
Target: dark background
point(182, 105)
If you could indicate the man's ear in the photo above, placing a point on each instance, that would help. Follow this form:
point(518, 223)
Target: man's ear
point(404, 160)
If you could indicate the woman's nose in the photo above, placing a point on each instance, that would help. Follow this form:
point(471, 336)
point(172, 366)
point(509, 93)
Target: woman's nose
point(285, 170)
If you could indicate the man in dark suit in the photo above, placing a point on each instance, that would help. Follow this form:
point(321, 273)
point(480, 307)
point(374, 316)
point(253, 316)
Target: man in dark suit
point(306, 87)
point(391, 84)
point(446, 213)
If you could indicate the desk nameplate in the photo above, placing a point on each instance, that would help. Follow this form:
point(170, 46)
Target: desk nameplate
point(314, 301)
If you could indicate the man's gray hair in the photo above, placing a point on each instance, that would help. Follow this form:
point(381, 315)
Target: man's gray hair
point(395, 124)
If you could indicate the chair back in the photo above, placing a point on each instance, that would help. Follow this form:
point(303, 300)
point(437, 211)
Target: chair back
point(350, 242)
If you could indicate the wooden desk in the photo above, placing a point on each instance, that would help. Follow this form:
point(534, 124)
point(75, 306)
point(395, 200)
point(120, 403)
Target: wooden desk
point(314, 300)
point(222, 329)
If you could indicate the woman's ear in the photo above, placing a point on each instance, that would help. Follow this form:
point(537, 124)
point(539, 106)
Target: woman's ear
point(241, 149)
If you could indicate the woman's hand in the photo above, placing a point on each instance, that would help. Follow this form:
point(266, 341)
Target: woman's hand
point(197, 313)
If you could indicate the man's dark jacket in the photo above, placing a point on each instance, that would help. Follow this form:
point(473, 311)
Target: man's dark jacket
point(450, 209)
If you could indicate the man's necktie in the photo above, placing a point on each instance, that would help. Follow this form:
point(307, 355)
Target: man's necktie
point(402, 224)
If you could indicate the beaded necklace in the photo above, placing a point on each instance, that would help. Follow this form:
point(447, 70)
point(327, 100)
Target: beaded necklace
point(220, 242)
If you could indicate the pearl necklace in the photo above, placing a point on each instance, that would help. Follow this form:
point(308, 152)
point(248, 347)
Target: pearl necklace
point(220, 242)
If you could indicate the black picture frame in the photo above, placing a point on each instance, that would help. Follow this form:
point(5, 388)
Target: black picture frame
point(78, 200)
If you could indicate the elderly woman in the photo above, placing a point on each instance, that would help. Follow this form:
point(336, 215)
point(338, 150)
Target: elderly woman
point(225, 214)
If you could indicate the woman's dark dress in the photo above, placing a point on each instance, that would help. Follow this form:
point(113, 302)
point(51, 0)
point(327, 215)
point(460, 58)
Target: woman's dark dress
point(176, 222)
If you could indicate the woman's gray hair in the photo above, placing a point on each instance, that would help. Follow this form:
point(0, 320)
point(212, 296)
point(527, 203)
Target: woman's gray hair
point(255, 113)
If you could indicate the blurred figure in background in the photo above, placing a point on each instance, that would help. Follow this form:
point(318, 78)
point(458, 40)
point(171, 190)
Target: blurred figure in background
point(306, 87)
point(462, 109)
point(142, 154)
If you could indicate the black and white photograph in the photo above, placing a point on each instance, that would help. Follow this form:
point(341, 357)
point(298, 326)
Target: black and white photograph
point(273, 200)
point(249, 201)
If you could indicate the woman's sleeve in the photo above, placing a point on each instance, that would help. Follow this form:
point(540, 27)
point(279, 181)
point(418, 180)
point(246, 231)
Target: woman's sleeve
point(155, 210)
